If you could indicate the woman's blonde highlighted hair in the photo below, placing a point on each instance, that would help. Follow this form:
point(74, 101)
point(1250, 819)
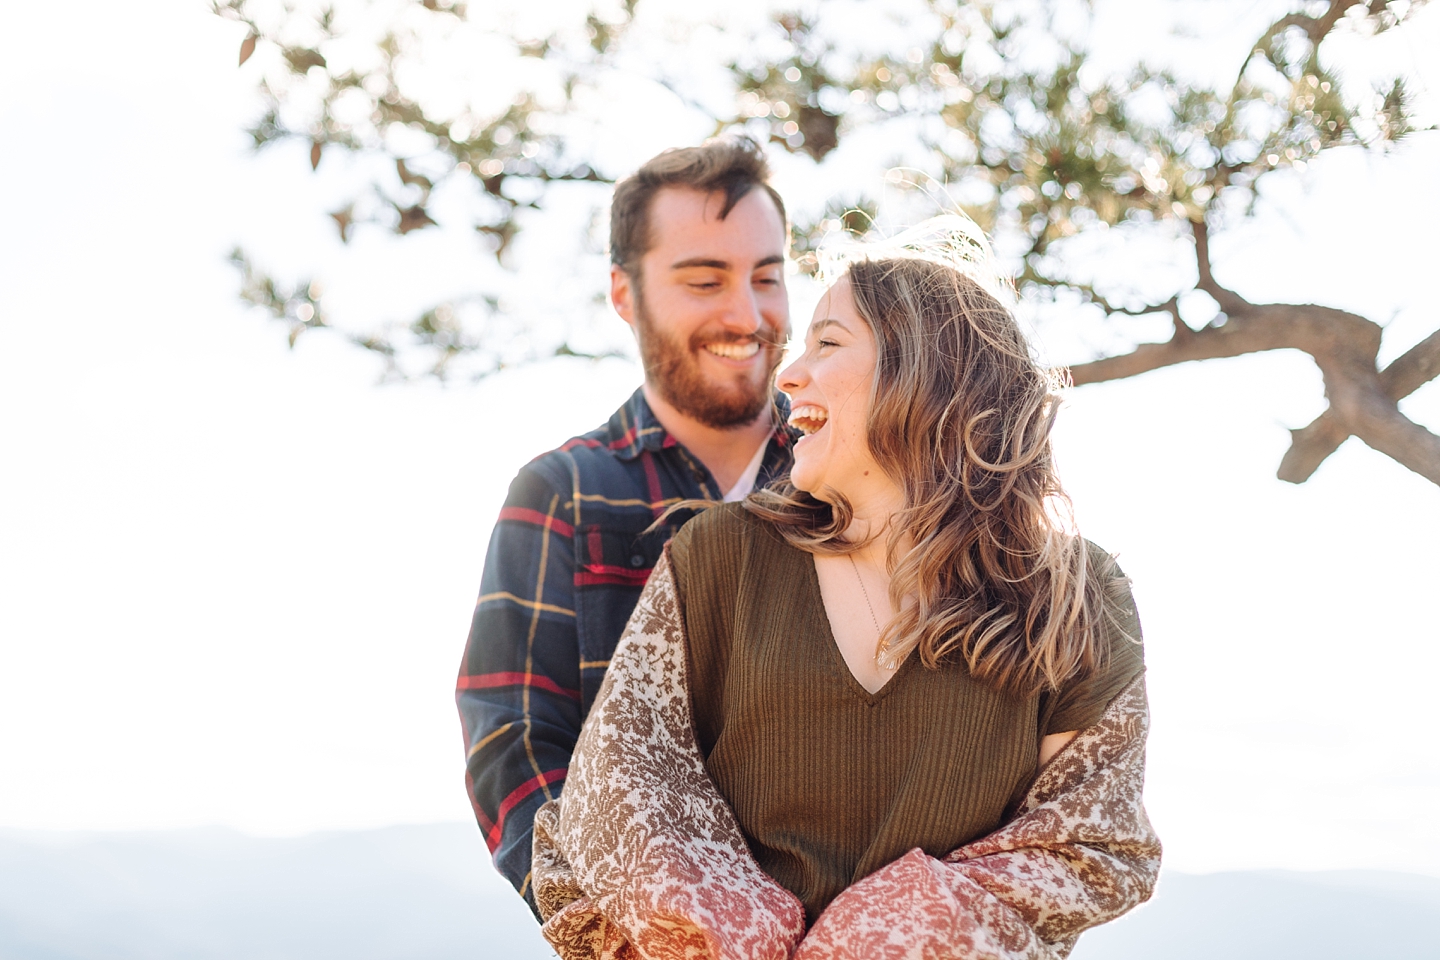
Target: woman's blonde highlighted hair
point(960, 417)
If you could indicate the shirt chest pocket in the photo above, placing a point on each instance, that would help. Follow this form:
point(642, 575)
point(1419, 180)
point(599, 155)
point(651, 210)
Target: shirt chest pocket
point(612, 565)
point(607, 557)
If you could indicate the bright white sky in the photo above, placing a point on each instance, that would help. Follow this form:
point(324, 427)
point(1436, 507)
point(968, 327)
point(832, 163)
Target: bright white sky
point(236, 581)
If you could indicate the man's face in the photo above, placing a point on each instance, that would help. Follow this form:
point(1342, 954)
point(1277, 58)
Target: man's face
point(709, 306)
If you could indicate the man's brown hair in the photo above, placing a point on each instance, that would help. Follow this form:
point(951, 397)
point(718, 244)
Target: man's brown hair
point(732, 165)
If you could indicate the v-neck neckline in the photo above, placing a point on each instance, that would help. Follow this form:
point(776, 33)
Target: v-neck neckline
point(837, 659)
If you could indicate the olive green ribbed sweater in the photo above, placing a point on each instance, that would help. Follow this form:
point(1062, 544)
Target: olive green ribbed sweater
point(830, 782)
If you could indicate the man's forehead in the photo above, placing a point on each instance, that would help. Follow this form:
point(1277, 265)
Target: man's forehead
point(685, 225)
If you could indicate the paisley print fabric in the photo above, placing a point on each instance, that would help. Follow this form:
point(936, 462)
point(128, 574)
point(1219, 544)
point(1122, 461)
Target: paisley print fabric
point(640, 857)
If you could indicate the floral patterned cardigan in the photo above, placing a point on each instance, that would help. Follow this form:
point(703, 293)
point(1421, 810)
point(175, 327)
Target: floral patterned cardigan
point(641, 857)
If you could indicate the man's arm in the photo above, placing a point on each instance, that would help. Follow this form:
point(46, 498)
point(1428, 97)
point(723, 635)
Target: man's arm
point(519, 686)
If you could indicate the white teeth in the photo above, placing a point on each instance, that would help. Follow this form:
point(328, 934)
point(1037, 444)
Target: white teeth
point(807, 418)
point(734, 351)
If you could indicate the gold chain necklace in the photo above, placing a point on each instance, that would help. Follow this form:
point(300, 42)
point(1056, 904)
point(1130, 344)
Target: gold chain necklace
point(866, 594)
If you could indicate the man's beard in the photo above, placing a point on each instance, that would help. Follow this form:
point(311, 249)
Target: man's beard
point(673, 369)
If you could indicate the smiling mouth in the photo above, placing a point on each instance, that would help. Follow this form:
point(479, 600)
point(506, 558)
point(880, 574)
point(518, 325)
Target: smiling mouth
point(734, 351)
point(808, 418)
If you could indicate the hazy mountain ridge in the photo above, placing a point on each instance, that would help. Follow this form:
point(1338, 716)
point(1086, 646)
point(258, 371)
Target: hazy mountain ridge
point(428, 892)
point(1277, 915)
point(413, 892)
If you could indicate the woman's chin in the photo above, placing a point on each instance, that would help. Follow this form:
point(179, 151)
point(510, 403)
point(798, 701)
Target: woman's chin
point(808, 468)
point(803, 481)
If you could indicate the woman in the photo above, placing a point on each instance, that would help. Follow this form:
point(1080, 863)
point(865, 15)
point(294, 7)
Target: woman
point(892, 707)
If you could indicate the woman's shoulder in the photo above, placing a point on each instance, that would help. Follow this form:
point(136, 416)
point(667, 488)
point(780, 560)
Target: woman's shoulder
point(718, 527)
point(1120, 620)
point(1101, 559)
point(1120, 654)
point(721, 543)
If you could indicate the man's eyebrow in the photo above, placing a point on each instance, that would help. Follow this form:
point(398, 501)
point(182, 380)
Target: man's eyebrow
point(722, 264)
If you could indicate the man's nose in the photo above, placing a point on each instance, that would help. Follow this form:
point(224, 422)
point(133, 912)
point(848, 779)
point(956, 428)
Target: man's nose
point(742, 311)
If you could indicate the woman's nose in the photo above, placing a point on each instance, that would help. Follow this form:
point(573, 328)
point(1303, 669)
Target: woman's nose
point(791, 377)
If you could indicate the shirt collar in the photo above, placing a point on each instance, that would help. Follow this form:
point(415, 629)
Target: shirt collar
point(633, 427)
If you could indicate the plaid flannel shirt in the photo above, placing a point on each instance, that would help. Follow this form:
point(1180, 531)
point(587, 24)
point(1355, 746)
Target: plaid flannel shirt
point(566, 563)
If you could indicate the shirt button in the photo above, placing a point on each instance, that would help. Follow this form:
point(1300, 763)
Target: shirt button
point(637, 561)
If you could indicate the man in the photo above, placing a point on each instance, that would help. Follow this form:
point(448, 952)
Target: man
point(697, 246)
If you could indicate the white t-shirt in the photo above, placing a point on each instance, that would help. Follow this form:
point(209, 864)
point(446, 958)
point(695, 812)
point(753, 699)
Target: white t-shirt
point(746, 483)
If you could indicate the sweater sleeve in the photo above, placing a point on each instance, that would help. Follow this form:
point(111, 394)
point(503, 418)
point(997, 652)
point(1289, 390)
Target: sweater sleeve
point(1081, 703)
point(1079, 851)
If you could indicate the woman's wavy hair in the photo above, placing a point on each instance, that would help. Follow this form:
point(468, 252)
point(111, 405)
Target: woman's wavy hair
point(960, 417)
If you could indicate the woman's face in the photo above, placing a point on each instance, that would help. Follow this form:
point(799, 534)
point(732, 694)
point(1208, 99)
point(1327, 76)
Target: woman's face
point(829, 388)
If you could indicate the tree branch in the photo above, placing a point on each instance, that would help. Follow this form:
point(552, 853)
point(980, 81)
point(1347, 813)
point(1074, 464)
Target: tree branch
point(1091, 295)
point(1414, 368)
point(1316, 28)
point(1210, 343)
point(1171, 306)
point(1373, 416)
point(1311, 444)
point(1229, 300)
point(1256, 327)
point(1343, 345)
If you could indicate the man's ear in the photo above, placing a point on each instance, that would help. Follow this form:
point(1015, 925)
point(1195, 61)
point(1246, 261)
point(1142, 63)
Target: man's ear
point(622, 293)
